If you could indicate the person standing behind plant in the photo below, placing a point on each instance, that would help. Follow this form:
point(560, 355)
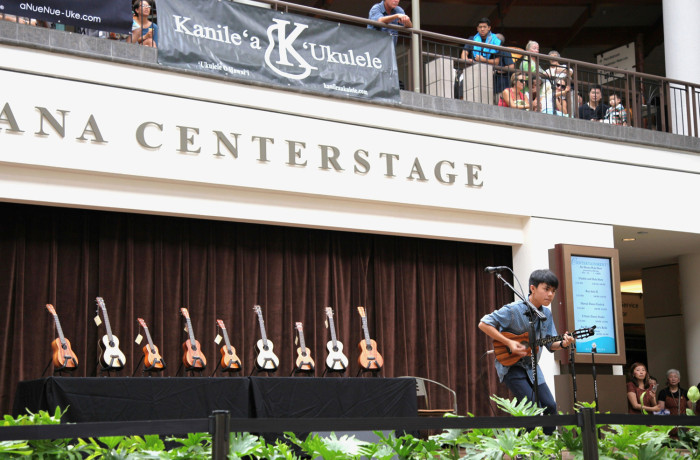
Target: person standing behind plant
point(673, 397)
point(640, 397)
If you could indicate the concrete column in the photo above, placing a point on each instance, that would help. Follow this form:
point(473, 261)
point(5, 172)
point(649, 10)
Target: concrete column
point(681, 47)
point(540, 235)
point(689, 268)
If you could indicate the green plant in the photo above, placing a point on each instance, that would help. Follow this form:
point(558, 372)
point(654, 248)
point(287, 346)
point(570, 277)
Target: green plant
point(454, 439)
point(44, 449)
point(244, 445)
point(196, 446)
point(328, 448)
point(10, 449)
point(278, 451)
point(617, 442)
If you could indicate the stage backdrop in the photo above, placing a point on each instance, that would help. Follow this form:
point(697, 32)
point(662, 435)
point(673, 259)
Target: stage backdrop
point(424, 298)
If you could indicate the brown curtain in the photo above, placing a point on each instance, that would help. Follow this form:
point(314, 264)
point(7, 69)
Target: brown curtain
point(424, 298)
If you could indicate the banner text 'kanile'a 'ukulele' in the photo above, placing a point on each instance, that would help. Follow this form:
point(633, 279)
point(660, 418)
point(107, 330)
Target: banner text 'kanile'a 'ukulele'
point(63, 356)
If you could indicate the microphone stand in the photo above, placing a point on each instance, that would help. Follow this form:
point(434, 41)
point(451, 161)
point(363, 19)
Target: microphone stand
point(572, 360)
point(533, 314)
point(595, 382)
point(595, 378)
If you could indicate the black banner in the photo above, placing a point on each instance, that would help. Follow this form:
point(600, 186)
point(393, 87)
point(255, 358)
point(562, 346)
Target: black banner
point(269, 46)
point(108, 15)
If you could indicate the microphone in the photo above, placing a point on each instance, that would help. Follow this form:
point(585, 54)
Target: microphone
point(593, 350)
point(495, 269)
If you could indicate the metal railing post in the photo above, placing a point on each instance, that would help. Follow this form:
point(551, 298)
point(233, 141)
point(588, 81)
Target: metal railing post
point(589, 433)
point(220, 428)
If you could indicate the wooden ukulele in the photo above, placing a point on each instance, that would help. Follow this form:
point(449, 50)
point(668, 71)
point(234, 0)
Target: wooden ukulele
point(266, 359)
point(152, 359)
point(304, 362)
point(336, 360)
point(229, 360)
point(504, 354)
point(63, 356)
point(369, 359)
point(192, 356)
point(112, 357)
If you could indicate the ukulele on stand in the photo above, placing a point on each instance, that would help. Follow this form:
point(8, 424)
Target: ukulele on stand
point(192, 356)
point(370, 359)
point(229, 359)
point(152, 361)
point(304, 362)
point(336, 361)
point(266, 359)
point(112, 358)
point(64, 358)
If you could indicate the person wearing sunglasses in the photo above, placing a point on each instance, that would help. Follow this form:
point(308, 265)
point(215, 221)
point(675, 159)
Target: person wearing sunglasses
point(562, 97)
point(515, 97)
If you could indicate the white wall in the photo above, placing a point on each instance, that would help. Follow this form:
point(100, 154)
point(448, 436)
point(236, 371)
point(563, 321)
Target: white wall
point(517, 173)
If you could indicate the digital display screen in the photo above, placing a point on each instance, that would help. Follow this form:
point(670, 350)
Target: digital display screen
point(592, 288)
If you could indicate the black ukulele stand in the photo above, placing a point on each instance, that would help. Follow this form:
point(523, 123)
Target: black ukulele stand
point(149, 370)
point(257, 369)
point(60, 370)
point(370, 369)
point(108, 370)
point(230, 369)
point(304, 372)
point(330, 372)
point(192, 369)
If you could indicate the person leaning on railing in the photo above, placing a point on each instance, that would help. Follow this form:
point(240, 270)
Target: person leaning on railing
point(616, 113)
point(18, 20)
point(562, 97)
point(389, 12)
point(595, 109)
point(143, 31)
point(528, 66)
point(476, 53)
point(514, 97)
point(502, 72)
point(640, 397)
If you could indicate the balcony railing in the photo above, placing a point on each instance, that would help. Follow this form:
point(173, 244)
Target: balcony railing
point(437, 68)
